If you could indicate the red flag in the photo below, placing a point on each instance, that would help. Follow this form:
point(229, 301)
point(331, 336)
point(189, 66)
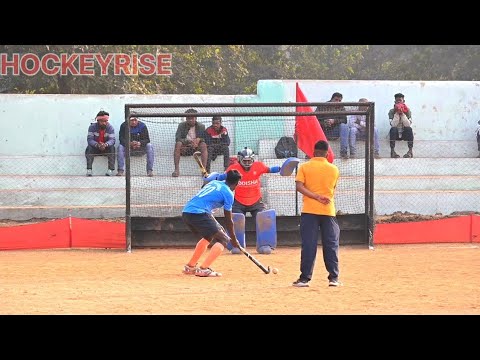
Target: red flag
point(308, 130)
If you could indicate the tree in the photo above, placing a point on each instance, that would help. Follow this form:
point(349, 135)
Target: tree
point(236, 69)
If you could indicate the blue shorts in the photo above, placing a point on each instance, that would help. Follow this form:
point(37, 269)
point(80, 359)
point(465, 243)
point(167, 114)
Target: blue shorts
point(204, 225)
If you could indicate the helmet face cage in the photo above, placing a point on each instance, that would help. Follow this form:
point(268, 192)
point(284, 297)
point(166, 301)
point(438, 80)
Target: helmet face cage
point(246, 157)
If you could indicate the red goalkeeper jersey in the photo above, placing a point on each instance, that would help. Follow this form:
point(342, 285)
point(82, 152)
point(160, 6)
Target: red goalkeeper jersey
point(248, 190)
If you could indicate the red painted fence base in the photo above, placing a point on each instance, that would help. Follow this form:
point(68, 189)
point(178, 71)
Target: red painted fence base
point(64, 233)
point(462, 229)
point(84, 233)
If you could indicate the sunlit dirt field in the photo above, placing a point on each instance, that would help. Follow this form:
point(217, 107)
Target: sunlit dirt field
point(391, 279)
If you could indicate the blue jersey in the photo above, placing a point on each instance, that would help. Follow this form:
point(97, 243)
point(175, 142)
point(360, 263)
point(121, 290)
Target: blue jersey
point(212, 196)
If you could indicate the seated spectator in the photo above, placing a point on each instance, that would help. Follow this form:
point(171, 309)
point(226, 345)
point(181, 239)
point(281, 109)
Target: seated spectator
point(217, 140)
point(139, 145)
point(400, 120)
point(189, 138)
point(335, 126)
point(358, 130)
point(101, 141)
point(478, 138)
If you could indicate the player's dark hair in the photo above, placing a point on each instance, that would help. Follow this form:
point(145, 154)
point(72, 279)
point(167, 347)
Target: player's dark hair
point(321, 145)
point(233, 177)
point(191, 111)
point(336, 94)
point(320, 149)
point(399, 95)
point(216, 117)
point(102, 113)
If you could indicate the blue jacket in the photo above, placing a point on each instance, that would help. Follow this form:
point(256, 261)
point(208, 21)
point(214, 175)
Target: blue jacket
point(93, 135)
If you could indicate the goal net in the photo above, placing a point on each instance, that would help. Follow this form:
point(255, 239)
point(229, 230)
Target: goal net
point(258, 126)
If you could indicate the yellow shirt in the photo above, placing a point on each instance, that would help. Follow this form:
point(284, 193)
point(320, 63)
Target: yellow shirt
point(320, 177)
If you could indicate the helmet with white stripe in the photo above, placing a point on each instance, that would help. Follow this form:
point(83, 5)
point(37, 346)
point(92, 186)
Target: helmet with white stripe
point(246, 157)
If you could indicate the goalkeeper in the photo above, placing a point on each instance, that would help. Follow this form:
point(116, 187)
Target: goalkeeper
point(248, 194)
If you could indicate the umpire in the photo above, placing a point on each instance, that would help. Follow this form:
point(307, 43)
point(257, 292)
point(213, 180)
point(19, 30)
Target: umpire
point(317, 180)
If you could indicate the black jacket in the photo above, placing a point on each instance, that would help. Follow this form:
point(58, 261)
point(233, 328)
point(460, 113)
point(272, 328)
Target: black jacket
point(337, 119)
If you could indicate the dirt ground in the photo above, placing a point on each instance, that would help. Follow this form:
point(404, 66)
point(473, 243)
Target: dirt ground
point(399, 217)
point(391, 279)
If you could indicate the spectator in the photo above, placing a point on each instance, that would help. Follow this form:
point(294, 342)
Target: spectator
point(101, 141)
point(358, 129)
point(400, 120)
point(317, 180)
point(189, 138)
point(478, 138)
point(139, 145)
point(335, 126)
point(218, 141)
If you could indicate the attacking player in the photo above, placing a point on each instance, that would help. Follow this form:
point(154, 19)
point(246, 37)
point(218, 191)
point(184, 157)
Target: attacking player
point(248, 195)
point(198, 216)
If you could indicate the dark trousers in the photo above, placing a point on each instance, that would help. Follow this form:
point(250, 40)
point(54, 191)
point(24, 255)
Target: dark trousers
point(310, 226)
point(253, 209)
point(218, 149)
point(91, 152)
point(407, 135)
point(478, 141)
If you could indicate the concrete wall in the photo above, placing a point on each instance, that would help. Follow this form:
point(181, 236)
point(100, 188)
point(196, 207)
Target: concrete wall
point(57, 124)
point(43, 138)
point(441, 110)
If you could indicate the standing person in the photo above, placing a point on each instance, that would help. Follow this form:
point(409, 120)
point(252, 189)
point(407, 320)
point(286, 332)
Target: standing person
point(218, 142)
point(316, 180)
point(101, 141)
point(139, 145)
point(400, 121)
point(189, 138)
point(358, 129)
point(198, 215)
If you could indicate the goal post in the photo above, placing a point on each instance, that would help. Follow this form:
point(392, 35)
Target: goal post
point(154, 203)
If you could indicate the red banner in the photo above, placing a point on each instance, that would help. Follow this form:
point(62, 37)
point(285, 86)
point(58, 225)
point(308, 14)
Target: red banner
point(308, 130)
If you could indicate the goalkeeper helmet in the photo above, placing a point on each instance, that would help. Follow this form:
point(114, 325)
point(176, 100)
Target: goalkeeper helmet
point(246, 157)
